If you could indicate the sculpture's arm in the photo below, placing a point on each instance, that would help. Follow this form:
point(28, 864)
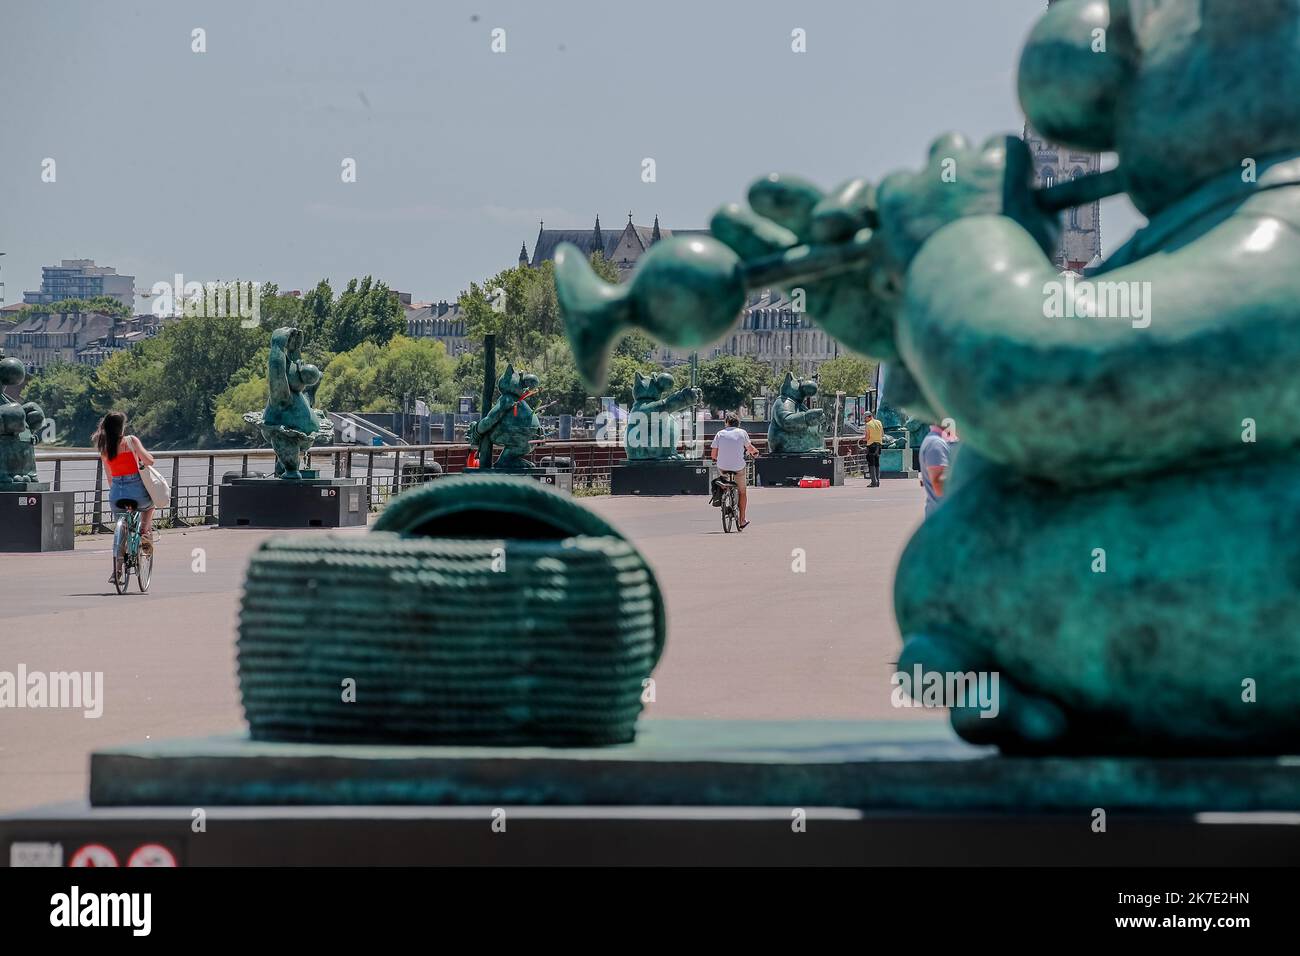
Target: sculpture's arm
point(277, 371)
point(682, 398)
point(489, 421)
point(1210, 340)
point(811, 416)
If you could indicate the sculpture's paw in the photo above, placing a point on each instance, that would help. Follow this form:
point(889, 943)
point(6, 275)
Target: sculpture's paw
point(985, 706)
point(857, 305)
point(959, 180)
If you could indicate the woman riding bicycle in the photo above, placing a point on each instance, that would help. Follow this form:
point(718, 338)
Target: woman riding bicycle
point(123, 455)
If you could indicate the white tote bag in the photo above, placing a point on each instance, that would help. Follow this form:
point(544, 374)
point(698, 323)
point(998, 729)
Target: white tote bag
point(160, 492)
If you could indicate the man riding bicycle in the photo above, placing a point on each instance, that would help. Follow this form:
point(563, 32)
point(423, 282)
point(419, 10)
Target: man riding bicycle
point(728, 451)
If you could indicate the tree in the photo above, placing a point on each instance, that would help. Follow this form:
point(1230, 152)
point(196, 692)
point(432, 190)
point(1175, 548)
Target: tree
point(849, 374)
point(229, 408)
point(521, 308)
point(348, 382)
point(415, 369)
point(168, 385)
point(66, 394)
point(98, 303)
point(316, 308)
point(560, 382)
point(729, 381)
point(366, 311)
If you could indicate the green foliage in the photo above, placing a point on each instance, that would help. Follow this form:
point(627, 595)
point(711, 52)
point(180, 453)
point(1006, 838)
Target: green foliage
point(730, 381)
point(65, 392)
point(848, 374)
point(415, 369)
point(348, 382)
point(622, 376)
point(519, 306)
point(636, 345)
point(243, 396)
point(167, 385)
point(98, 303)
point(366, 311)
point(560, 382)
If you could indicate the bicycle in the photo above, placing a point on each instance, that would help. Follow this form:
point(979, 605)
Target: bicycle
point(731, 501)
point(128, 559)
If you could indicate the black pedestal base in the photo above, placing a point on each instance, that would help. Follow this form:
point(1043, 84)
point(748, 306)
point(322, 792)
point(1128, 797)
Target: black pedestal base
point(561, 479)
point(277, 503)
point(773, 470)
point(37, 521)
point(678, 476)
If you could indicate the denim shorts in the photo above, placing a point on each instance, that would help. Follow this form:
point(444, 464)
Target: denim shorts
point(129, 486)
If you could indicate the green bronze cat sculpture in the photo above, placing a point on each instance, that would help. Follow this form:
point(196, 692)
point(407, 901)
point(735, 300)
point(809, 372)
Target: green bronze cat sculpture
point(19, 424)
point(653, 432)
point(1136, 588)
point(511, 422)
point(794, 428)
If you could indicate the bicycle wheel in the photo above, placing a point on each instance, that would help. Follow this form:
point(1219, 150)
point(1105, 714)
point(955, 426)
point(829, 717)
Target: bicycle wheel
point(120, 573)
point(143, 570)
point(729, 512)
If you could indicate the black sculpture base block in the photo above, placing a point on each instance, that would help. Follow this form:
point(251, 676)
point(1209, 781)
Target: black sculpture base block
point(558, 478)
point(308, 503)
point(685, 792)
point(897, 463)
point(679, 476)
point(771, 470)
point(37, 520)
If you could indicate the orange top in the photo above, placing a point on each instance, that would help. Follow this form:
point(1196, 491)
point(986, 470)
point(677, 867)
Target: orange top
point(123, 463)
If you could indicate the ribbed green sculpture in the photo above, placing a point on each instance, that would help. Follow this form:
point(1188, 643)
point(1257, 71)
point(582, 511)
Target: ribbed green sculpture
point(1118, 538)
point(486, 610)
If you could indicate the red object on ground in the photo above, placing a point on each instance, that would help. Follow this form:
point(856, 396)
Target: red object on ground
point(814, 482)
point(472, 460)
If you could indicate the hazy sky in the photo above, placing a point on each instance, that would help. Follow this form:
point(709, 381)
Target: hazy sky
point(226, 164)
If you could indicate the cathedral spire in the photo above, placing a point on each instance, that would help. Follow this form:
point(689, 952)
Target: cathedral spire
point(523, 254)
point(655, 235)
point(598, 238)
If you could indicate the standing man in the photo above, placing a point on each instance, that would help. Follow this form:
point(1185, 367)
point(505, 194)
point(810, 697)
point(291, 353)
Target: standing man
point(874, 437)
point(935, 454)
point(728, 450)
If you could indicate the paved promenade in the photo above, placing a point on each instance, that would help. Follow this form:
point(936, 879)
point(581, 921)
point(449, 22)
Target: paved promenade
point(749, 637)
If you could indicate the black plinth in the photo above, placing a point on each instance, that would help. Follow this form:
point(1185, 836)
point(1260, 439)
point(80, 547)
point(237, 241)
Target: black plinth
point(773, 470)
point(558, 478)
point(681, 476)
point(306, 503)
point(37, 520)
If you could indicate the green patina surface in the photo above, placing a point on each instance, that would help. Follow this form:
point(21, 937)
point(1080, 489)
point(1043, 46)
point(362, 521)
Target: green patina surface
point(482, 609)
point(882, 765)
point(1189, 639)
point(653, 432)
point(511, 422)
point(794, 428)
point(289, 423)
point(18, 422)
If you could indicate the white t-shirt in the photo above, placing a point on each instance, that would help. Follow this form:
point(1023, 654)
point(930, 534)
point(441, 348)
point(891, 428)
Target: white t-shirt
point(731, 444)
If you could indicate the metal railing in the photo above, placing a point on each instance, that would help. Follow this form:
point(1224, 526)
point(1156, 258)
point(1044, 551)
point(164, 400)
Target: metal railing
point(196, 475)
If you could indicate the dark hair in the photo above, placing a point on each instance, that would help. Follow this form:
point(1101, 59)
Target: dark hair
point(732, 419)
point(111, 428)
